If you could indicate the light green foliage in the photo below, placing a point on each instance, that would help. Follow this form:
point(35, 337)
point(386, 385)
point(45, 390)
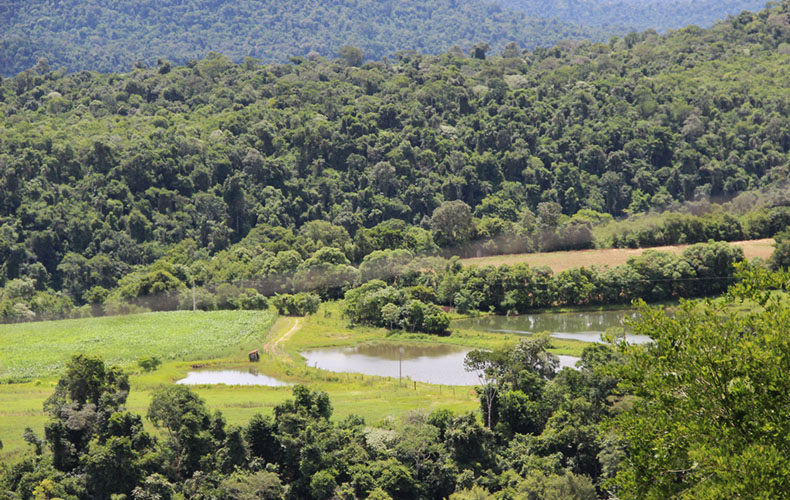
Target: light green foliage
point(476, 493)
point(41, 349)
point(378, 494)
point(261, 485)
point(711, 416)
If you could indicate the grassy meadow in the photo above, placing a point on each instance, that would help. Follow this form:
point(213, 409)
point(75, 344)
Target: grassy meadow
point(40, 349)
point(33, 355)
point(561, 261)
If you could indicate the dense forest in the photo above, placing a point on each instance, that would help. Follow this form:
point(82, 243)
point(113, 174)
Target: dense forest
point(317, 164)
point(699, 413)
point(635, 15)
point(112, 36)
point(330, 174)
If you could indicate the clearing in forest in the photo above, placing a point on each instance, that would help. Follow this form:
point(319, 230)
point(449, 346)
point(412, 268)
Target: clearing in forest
point(560, 261)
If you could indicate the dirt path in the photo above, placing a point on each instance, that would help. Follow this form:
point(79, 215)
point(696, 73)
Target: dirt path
point(277, 338)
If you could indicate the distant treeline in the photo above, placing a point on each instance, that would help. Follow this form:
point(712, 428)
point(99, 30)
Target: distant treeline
point(396, 289)
point(116, 35)
point(638, 15)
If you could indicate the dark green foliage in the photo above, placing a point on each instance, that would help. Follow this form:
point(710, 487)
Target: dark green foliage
point(260, 435)
point(122, 34)
point(149, 363)
point(86, 381)
point(189, 427)
point(90, 433)
point(780, 259)
point(375, 303)
point(300, 304)
point(120, 191)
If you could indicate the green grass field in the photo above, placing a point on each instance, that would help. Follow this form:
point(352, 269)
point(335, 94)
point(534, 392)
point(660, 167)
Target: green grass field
point(32, 350)
point(36, 352)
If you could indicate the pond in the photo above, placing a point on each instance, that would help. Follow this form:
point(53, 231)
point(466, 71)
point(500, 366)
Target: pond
point(430, 363)
point(587, 326)
point(229, 377)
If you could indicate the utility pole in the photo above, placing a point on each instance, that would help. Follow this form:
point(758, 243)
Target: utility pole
point(400, 365)
point(194, 300)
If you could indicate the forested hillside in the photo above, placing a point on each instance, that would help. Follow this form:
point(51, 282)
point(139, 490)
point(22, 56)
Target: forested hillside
point(326, 161)
point(636, 15)
point(113, 35)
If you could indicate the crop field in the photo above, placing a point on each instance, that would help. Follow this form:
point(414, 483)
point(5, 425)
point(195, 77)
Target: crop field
point(560, 261)
point(32, 350)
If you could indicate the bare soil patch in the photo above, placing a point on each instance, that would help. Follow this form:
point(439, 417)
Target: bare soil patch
point(560, 261)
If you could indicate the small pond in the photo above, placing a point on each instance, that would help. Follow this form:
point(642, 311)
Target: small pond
point(587, 326)
point(229, 377)
point(430, 363)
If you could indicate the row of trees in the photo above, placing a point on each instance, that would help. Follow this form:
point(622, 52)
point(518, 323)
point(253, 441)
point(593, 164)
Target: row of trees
point(103, 174)
point(703, 269)
point(674, 229)
point(392, 288)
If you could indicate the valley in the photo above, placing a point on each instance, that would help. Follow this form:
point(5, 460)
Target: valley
point(394, 250)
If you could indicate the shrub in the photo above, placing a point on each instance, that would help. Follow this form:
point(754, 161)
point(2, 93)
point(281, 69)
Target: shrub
point(149, 363)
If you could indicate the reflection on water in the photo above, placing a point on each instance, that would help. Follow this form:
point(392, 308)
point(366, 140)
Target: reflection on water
point(585, 326)
point(431, 363)
point(229, 377)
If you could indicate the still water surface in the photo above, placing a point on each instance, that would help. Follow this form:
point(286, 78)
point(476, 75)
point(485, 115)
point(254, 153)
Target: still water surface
point(586, 326)
point(229, 377)
point(430, 363)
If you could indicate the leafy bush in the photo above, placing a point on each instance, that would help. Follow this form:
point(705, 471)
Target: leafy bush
point(300, 304)
point(149, 363)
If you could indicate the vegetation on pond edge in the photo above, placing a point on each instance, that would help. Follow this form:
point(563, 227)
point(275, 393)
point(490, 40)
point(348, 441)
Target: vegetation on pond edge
point(618, 425)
